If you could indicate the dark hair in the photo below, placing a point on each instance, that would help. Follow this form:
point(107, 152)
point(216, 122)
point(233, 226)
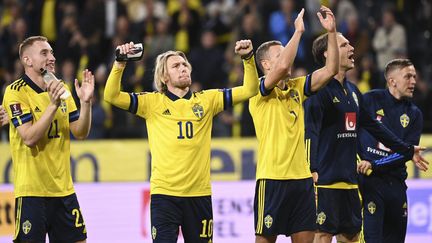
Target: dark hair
point(28, 42)
point(262, 50)
point(396, 64)
point(319, 46)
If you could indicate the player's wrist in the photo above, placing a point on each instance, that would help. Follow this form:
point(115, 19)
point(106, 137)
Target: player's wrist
point(120, 65)
point(247, 56)
point(85, 102)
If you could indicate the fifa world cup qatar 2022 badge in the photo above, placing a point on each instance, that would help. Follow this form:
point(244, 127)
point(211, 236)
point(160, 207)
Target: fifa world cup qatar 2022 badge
point(16, 109)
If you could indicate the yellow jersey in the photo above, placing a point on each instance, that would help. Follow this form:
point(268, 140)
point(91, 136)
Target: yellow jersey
point(278, 117)
point(42, 170)
point(179, 131)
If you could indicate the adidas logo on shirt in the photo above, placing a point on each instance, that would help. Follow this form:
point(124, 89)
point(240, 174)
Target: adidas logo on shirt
point(166, 112)
point(335, 100)
point(37, 109)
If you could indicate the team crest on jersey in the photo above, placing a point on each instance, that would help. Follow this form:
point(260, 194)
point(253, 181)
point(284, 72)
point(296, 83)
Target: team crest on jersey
point(268, 221)
point(153, 233)
point(63, 106)
point(404, 120)
point(26, 227)
point(354, 95)
point(198, 110)
point(16, 110)
point(371, 207)
point(294, 95)
point(321, 218)
point(350, 121)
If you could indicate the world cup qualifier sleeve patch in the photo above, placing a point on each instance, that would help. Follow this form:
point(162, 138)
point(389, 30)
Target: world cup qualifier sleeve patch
point(16, 110)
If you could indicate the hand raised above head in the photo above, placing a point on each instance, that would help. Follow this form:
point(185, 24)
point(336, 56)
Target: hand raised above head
point(244, 48)
point(327, 19)
point(299, 23)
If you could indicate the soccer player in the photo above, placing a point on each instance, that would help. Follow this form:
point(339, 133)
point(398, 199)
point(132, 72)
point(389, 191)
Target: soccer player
point(40, 127)
point(333, 117)
point(179, 124)
point(284, 194)
point(385, 206)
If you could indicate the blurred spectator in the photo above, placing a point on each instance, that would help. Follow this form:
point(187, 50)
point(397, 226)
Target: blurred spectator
point(70, 41)
point(368, 74)
point(208, 62)
point(219, 19)
point(281, 27)
point(97, 130)
point(389, 41)
point(357, 36)
point(161, 41)
point(186, 27)
point(85, 34)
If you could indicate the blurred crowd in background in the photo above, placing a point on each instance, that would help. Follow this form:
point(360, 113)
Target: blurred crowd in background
point(84, 34)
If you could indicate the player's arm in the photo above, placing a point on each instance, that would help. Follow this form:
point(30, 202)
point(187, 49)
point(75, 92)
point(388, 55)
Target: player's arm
point(249, 88)
point(282, 69)
point(314, 111)
point(81, 127)
point(30, 132)
point(381, 133)
point(395, 159)
point(4, 118)
point(112, 93)
point(323, 75)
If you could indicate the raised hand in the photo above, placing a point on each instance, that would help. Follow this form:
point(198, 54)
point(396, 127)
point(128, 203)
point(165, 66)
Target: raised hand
point(244, 48)
point(418, 160)
point(86, 89)
point(124, 49)
point(298, 22)
point(328, 22)
point(4, 118)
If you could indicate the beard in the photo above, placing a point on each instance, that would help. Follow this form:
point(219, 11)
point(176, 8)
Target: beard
point(183, 83)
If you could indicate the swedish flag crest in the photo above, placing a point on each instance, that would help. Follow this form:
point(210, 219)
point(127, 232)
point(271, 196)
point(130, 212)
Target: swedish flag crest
point(198, 110)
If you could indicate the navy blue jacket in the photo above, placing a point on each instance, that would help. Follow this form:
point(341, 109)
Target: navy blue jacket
point(333, 117)
point(403, 118)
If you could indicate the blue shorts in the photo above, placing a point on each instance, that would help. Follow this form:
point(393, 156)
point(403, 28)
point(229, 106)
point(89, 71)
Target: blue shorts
point(284, 207)
point(338, 211)
point(60, 217)
point(193, 214)
point(385, 209)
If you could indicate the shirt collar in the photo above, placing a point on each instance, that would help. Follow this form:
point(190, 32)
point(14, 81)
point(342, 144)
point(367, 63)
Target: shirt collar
point(30, 83)
point(174, 97)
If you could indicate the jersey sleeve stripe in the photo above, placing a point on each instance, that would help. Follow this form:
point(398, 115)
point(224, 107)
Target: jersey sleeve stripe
point(227, 98)
point(388, 159)
point(308, 85)
point(263, 90)
point(18, 121)
point(133, 103)
point(73, 116)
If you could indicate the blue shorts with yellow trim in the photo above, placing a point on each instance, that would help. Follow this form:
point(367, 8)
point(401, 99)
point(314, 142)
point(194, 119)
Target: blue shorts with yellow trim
point(284, 207)
point(193, 214)
point(338, 211)
point(60, 217)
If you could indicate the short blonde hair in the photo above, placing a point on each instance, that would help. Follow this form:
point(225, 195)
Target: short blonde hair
point(29, 42)
point(161, 68)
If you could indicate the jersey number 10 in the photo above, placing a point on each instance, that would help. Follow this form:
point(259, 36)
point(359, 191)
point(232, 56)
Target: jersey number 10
point(188, 127)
